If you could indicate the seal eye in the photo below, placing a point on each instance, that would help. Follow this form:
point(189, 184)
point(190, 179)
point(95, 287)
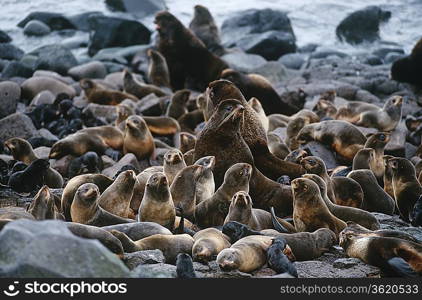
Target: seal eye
point(382, 137)
point(228, 108)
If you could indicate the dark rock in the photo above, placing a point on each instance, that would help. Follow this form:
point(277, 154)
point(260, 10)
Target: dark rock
point(308, 48)
point(134, 259)
point(4, 37)
point(81, 21)
point(11, 52)
point(17, 125)
point(149, 106)
point(94, 69)
point(10, 93)
point(373, 60)
point(16, 69)
point(270, 45)
point(36, 28)
point(55, 21)
point(116, 32)
point(254, 30)
point(54, 58)
point(244, 62)
point(393, 57)
point(160, 270)
point(293, 60)
point(36, 249)
point(362, 25)
point(138, 8)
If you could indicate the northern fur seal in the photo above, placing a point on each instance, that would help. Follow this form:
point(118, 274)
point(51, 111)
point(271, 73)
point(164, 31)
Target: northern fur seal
point(138, 139)
point(187, 141)
point(309, 209)
point(212, 211)
point(257, 106)
point(407, 69)
point(208, 243)
point(406, 186)
point(177, 106)
point(173, 163)
point(206, 185)
point(184, 266)
point(158, 71)
point(255, 85)
point(378, 141)
point(157, 204)
point(43, 206)
point(22, 150)
point(344, 213)
point(139, 89)
point(98, 95)
point(30, 178)
point(342, 137)
point(276, 259)
point(186, 56)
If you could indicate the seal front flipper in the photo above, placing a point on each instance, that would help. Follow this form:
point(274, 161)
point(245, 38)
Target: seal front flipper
point(401, 268)
point(276, 223)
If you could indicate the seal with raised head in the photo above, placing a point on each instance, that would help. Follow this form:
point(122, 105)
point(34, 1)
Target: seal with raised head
point(137, 138)
point(139, 89)
point(31, 178)
point(157, 204)
point(208, 243)
point(309, 209)
point(378, 141)
point(187, 141)
point(43, 206)
point(186, 56)
point(173, 163)
point(98, 95)
point(177, 106)
point(206, 185)
point(158, 71)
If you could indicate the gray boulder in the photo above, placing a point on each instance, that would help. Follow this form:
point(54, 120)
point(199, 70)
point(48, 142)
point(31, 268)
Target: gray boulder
point(94, 69)
point(36, 28)
point(134, 259)
point(17, 125)
point(10, 93)
point(138, 8)
point(54, 58)
point(55, 21)
point(44, 249)
point(16, 69)
point(4, 37)
point(293, 60)
point(244, 62)
point(10, 52)
point(128, 159)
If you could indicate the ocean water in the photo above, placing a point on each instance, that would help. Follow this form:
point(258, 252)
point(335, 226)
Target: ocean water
point(313, 21)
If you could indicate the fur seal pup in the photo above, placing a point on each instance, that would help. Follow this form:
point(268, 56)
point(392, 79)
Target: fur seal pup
point(170, 245)
point(186, 56)
point(92, 232)
point(95, 94)
point(85, 208)
point(157, 204)
point(406, 186)
point(187, 141)
point(139, 89)
point(344, 213)
point(204, 28)
point(395, 257)
point(408, 68)
point(184, 266)
point(116, 198)
point(101, 139)
point(277, 261)
point(388, 176)
point(241, 210)
point(246, 255)
point(173, 163)
point(213, 211)
point(309, 209)
point(177, 106)
point(139, 188)
point(30, 179)
point(292, 130)
point(375, 199)
point(342, 137)
point(101, 181)
point(158, 71)
point(208, 243)
point(43, 206)
point(88, 163)
point(183, 189)
point(255, 85)
point(22, 150)
point(205, 187)
point(257, 106)
point(138, 139)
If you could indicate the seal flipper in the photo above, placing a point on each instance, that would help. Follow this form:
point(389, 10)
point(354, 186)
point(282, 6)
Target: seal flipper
point(401, 268)
point(276, 223)
point(128, 245)
point(184, 266)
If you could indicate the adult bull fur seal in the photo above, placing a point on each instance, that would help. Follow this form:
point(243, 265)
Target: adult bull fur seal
point(344, 213)
point(116, 198)
point(138, 139)
point(395, 257)
point(255, 85)
point(186, 56)
point(158, 71)
point(407, 69)
point(208, 243)
point(138, 89)
point(157, 204)
point(101, 181)
point(85, 208)
point(375, 199)
point(241, 210)
point(212, 211)
point(22, 150)
point(251, 130)
point(96, 94)
point(309, 209)
point(170, 245)
point(406, 186)
point(101, 139)
point(342, 137)
point(246, 255)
